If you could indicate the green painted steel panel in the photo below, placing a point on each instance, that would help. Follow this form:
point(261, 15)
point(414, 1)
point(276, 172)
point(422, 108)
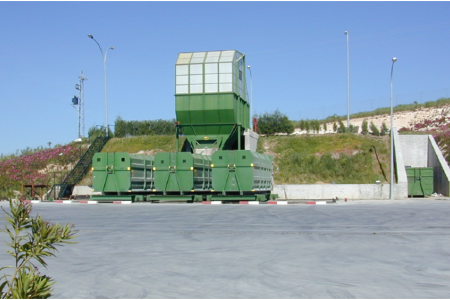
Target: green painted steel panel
point(420, 181)
point(109, 173)
point(120, 172)
point(182, 172)
point(241, 171)
point(211, 119)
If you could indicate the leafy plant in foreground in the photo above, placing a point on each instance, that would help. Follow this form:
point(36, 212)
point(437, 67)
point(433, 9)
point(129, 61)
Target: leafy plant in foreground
point(32, 239)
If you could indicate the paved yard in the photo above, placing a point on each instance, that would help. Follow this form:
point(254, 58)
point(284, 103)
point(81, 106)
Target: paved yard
point(358, 249)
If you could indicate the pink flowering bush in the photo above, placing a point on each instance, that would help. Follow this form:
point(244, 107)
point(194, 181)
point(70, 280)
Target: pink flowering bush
point(25, 169)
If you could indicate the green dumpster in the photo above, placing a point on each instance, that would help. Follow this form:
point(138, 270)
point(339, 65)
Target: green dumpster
point(420, 181)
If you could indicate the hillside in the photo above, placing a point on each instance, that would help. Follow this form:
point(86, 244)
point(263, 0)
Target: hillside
point(421, 119)
point(324, 157)
point(339, 158)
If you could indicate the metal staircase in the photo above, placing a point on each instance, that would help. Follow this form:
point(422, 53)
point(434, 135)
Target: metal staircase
point(80, 169)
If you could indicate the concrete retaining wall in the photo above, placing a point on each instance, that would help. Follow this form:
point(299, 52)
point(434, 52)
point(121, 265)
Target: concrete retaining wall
point(351, 191)
point(342, 191)
point(415, 150)
point(441, 170)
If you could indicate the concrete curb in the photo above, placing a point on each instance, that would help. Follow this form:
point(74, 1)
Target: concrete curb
point(88, 202)
point(277, 202)
point(316, 202)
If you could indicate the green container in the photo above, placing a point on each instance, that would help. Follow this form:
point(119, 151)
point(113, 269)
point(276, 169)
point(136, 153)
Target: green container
point(420, 181)
point(182, 172)
point(241, 171)
point(120, 172)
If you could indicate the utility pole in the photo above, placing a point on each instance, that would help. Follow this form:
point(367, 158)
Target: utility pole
point(80, 102)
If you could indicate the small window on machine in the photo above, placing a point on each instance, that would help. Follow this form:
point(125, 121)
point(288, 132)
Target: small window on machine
point(220, 157)
point(244, 157)
point(162, 161)
point(123, 158)
point(99, 159)
point(184, 161)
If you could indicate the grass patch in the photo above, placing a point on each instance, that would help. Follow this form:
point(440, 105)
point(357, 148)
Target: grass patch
point(162, 143)
point(339, 158)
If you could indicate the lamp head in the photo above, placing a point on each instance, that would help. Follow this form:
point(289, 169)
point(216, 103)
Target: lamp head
point(248, 67)
point(346, 32)
point(112, 48)
point(90, 35)
point(394, 59)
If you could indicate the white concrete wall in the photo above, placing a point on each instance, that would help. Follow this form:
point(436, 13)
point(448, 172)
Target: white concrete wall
point(342, 191)
point(415, 150)
point(350, 191)
point(441, 172)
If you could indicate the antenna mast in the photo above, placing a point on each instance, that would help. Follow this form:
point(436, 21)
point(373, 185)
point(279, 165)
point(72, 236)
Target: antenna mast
point(80, 102)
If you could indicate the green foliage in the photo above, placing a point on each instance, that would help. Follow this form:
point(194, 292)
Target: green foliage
point(276, 122)
point(342, 128)
point(137, 128)
point(96, 131)
point(335, 127)
point(166, 143)
point(384, 129)
point(365, 127)
point(342, 158)
point(374, 130)
point(31, 240)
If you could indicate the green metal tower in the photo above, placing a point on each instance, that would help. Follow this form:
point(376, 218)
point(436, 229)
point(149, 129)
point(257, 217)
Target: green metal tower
point(211, 100)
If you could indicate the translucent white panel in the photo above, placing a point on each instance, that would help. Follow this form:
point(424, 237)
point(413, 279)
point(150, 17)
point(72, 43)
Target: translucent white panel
point(184, 58)
point(213, 56)
point(225, 87)
point(225, 78)
point(227, 56)
point(211, 78)
point(211, 88)
point(211, 68)
point(182, 79)
point(196, 79)
point(198, 57)
point(181, 89)
point(196, 88)
point(182, 69)
point(225, 68)
point(196, 69)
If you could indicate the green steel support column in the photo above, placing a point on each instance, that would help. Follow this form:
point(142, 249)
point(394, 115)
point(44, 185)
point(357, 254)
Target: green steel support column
point(178, 138)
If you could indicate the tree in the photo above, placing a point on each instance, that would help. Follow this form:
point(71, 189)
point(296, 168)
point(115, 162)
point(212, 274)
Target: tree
point(365, 127)
point(32, 239)
point(276, 122)
point(120, 127)
point(384, 129)
point(374, 129)
point(342, 128)
point(335, 127)
point(325, 126)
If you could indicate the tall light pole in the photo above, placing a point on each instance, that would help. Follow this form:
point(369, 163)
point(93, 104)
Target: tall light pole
point(392, 132)
point(104, 68)
point(251, 98)
point(348, 83)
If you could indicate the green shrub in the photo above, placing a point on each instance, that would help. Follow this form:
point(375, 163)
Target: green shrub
point(31, 240)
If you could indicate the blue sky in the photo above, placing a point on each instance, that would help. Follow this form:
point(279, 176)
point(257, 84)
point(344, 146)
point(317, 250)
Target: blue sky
point(297, 52)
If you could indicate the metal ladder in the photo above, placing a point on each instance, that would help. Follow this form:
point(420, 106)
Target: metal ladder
point(80, 168)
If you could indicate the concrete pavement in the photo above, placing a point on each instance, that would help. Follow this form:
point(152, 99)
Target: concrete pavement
point(354, 249)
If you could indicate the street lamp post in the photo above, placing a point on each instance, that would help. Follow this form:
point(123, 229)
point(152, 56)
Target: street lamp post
point(348, 83)
point(392, 131)
point(251, 98)
point(104, 68)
